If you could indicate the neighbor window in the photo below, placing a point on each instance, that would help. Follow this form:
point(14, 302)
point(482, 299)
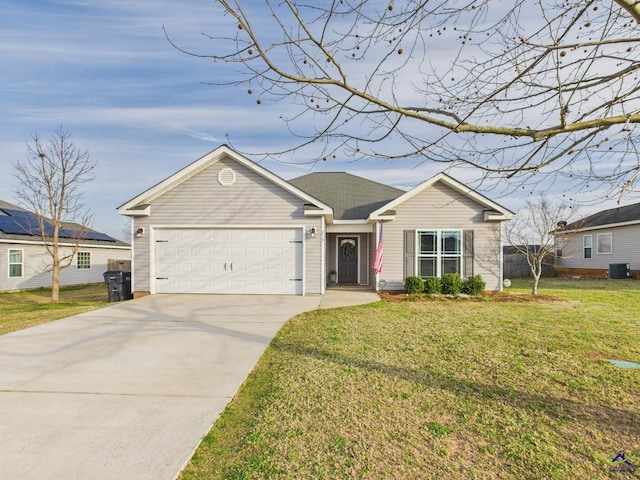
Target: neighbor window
point(439, 252)
point(83, 260)
point(559, 247)
point(587, 243)
point(15, 263)
point(605, 243)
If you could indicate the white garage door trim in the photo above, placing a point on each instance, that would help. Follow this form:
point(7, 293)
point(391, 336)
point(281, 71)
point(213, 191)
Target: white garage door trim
point(228, 260)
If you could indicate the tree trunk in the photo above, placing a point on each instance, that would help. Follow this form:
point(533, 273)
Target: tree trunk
point(55, 277)
point(536, 270)
point(536, 279)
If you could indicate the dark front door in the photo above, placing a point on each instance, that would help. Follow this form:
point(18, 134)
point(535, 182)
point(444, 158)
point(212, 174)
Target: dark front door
point(348, 260)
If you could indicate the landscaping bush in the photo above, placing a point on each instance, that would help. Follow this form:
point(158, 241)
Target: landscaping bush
point(474, 285)
point(432, 285)
point(451, 283)
point(414, 284)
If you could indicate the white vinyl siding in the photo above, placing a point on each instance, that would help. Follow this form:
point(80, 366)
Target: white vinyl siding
point(36, 270)
point(625, 243)
point(442, 208)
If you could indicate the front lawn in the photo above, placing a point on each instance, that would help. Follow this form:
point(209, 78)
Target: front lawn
point(28, 308)
point(446, 389)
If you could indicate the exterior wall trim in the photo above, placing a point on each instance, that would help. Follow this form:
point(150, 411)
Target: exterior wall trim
point(63, 244)
point(600, 227)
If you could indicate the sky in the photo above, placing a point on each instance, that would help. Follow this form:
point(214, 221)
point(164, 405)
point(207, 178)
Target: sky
point(144, 110)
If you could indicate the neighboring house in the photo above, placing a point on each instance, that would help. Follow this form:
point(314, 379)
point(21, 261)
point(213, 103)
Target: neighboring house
point(610, 237)
point(224, 224)
point(25, 263)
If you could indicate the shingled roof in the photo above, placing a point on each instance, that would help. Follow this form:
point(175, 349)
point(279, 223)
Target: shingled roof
point(4, 204)
point(351, 197)
point(629, 213)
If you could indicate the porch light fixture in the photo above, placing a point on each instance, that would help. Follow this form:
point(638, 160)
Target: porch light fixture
point(140, 232)
point(312, 232)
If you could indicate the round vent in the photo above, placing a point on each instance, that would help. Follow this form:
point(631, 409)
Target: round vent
point(226, 177)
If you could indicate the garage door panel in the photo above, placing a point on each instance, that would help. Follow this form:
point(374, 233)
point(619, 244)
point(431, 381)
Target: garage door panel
point(229, 261)
point(184, 268)
point(202, 269)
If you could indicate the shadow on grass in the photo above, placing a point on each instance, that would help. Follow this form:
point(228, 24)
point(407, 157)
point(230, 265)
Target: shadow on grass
point(598, 416)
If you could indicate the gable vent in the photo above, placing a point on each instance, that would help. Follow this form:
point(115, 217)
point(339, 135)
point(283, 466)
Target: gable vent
point(226, 177)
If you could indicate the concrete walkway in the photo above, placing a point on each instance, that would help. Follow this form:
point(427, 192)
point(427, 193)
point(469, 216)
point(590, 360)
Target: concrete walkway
point(127, 392)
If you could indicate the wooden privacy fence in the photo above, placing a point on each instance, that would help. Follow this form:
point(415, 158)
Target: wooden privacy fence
point(514, 264)
point(118, 264)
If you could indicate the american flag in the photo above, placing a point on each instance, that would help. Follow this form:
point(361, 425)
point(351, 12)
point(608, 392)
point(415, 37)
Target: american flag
point(377, 258)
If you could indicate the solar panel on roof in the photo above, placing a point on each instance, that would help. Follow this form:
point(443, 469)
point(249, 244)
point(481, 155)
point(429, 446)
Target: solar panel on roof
point(20, 222)
point(99, 236)
point(18, 213)
point(12, 225)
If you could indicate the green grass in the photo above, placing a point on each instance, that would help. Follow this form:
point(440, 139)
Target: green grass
point(28, 308)
point(441, 389)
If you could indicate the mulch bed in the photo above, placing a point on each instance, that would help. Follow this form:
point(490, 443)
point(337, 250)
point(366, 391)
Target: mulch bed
point(399, 296)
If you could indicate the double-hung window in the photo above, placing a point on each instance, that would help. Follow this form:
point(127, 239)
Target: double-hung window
point(83, 260)
point(16, 263)
point(587, 244)
point(439, 252)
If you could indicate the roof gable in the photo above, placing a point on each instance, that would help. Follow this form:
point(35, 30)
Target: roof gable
point(493, 210)
point(139, 205)
point(350, 196)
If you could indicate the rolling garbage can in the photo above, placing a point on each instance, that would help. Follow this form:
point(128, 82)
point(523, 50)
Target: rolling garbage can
point(118, 285)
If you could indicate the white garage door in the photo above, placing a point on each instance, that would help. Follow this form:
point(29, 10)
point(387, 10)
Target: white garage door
point(254, 261)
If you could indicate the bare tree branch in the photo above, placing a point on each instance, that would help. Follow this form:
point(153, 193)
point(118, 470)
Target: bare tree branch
point(545, 80)
point(49, 185)
point(532, 234)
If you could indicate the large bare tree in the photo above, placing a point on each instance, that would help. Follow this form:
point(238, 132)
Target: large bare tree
point(524, 90)
point(49, 185)
point(532, 234)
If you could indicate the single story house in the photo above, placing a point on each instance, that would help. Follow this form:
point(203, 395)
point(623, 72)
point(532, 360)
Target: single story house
point(594, 243)
point(25, 262)
point(224, 224)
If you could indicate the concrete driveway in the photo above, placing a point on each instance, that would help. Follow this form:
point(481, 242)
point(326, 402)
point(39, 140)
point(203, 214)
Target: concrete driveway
point(128, 391)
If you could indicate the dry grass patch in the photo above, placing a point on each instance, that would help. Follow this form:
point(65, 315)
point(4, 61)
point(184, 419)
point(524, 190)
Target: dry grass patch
point(28, 308)
point(444, 390)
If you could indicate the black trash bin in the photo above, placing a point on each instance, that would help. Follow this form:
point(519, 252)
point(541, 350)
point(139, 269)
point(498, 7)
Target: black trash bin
point(118, 285)
point(618, 271)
